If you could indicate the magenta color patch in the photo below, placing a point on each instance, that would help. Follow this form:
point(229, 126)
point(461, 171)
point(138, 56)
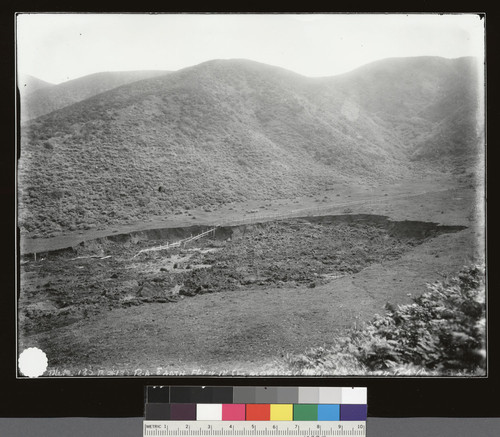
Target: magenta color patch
point(233, 411)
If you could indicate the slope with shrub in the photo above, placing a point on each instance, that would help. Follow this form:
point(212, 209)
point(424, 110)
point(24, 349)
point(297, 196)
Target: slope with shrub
point(226, 131)
point(443, 332)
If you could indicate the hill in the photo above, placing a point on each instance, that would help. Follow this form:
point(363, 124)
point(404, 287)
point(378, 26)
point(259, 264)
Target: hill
point(47, 99)
point(28, 84)
point(430, 103)
point(233, 130)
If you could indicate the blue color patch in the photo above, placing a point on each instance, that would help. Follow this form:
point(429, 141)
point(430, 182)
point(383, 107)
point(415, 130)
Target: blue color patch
point(328, 412)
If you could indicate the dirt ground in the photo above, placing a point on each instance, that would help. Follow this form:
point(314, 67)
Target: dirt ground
point(238, 303)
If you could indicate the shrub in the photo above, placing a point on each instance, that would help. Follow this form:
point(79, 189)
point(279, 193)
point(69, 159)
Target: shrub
point(441, 332)
point(443, 328)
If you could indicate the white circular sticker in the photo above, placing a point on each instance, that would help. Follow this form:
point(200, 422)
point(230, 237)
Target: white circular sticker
point(32, 362)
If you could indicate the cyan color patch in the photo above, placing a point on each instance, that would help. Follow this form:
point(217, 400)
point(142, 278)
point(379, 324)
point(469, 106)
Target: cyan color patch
point(328, 412)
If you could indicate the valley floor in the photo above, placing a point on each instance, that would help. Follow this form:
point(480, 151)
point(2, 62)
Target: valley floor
point(379, 199)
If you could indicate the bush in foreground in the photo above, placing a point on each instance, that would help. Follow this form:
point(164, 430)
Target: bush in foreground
point(441, 332)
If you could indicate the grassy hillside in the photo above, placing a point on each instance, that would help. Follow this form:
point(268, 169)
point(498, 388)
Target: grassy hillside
point(233, 130)
point(47, 99)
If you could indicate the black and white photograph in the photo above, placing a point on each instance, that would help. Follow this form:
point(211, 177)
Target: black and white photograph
point(251, 195)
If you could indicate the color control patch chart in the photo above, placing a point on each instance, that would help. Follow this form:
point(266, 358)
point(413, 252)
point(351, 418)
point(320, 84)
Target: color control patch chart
point(255, 411)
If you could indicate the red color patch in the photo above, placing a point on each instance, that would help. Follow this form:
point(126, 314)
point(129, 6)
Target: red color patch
point(258, 412)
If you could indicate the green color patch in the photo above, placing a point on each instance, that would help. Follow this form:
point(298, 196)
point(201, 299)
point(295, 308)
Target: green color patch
point(305, 412)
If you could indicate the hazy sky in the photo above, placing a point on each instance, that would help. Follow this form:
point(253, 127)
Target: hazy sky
point(59, 47)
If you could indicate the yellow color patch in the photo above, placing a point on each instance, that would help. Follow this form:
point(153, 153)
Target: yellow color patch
point(281, 412)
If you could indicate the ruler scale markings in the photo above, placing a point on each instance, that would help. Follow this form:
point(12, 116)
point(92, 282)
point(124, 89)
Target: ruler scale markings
point(193, 429)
